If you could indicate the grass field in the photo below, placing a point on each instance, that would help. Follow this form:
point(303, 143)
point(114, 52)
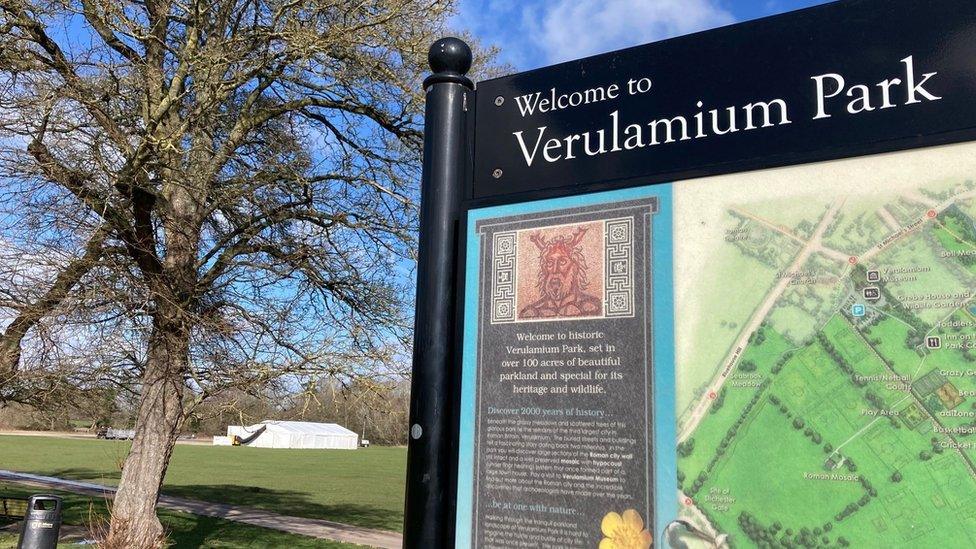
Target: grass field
point(933, 503)
point(706, 332)
point(944, 275)
point(796, 501)
point(185, 531)
point(737, 395)
point(890, 335)
point(363, 487)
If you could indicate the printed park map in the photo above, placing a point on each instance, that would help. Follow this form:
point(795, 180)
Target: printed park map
point(828, 371)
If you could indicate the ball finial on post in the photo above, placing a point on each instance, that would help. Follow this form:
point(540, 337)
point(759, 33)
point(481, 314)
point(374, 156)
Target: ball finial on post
point(450, 59)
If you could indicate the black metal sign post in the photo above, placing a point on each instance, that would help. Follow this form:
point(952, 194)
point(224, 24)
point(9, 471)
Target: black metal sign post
point(429, 459)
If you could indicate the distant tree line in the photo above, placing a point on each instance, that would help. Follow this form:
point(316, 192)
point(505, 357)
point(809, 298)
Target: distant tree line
point(781, 361)
point(375, 407)
point(839, 359)
point(726, 441)
point(775, 536)
point(798, 422)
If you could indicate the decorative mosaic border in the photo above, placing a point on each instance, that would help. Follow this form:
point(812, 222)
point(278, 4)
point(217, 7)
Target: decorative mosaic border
point(619, 271)
point(504, 248)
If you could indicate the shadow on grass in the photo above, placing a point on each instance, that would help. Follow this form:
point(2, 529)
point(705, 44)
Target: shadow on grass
point(83, 474)
point(191, 531)
point(183, 529)
point(286, 502)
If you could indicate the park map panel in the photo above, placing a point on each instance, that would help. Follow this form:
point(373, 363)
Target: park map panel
point(826, 352)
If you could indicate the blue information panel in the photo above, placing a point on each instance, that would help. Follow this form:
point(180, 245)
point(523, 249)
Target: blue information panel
point(568, 427)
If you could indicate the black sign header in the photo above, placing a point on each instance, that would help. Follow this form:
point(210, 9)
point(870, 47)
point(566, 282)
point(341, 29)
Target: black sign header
point(844, 79)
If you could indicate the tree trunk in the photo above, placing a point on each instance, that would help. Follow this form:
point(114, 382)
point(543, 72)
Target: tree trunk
point(134, 521)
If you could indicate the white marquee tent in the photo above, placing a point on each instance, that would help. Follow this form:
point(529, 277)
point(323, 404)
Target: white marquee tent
point(293, 434)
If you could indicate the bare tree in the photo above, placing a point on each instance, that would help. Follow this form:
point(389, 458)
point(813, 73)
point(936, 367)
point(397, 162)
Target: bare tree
point(377, 406)
point(216, 194)
point(372, 406)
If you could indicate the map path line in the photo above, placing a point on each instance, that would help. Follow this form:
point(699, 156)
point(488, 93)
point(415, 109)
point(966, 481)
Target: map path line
point(829, 252)
point(889, 219)
point(855, 435)
point(782, 230)
point(919, 369)
point(696, 517)
point(954, 235)
point(866, 427)
point(921, 406)
point(758, 317)
point(891, 316)
point(919, 220)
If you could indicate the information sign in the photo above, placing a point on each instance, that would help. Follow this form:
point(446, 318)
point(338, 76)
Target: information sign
point(723, 287)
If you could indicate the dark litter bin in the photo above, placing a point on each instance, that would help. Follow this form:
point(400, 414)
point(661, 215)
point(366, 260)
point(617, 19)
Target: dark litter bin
point(42, 523)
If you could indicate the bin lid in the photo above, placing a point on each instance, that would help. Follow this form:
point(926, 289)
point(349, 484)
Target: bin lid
point(43, 505)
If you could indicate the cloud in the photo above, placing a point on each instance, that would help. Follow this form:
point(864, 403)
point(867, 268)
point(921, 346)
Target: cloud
point(498, 23)
point(568, 29)
point(532, 33)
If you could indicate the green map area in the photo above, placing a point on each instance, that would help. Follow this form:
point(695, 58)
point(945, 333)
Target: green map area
point(840, 410)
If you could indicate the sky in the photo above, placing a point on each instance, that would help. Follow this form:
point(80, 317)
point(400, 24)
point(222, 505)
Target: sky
point(535, 33)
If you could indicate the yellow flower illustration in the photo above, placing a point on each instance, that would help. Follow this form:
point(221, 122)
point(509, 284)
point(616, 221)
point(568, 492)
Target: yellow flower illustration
point(624, 532)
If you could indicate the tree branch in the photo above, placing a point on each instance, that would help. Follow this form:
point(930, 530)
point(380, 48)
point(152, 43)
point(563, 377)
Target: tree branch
point(108, 36)
point(30, 315)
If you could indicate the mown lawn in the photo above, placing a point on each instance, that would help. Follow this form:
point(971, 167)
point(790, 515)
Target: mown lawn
point(738, 392)
point(771, 451)
point(363, 487)
point(185, 530)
